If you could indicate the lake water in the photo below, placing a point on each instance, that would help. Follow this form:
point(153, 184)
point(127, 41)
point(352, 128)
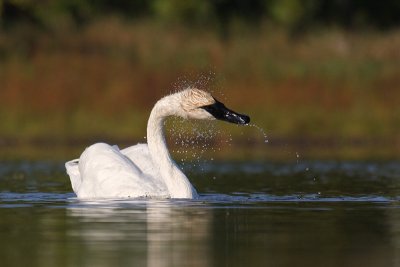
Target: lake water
point(249, 214)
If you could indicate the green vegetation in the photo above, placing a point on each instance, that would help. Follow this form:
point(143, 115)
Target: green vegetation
point(72, 73)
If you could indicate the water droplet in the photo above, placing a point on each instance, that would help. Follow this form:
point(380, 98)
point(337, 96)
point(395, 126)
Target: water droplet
point(260, 130)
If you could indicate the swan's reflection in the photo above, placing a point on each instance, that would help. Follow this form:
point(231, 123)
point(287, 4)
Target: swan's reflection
point(140, 233)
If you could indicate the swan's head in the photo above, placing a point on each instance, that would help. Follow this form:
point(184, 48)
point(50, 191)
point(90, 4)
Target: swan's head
point(199, 104)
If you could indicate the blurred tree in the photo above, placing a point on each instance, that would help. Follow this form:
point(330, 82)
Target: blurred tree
point(251, 11)
point(13, 12)
point(295, 15)
point(190, 12)
point(287, 12)
point(128, 8)
point(358, 13)
point(48, 14)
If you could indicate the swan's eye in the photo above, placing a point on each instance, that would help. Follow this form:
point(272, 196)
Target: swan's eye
point(214, 108)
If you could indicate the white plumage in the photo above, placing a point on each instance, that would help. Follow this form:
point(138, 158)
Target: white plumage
point(145, 170)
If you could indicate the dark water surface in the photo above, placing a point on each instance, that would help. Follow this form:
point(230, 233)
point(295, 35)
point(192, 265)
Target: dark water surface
point(249, 214)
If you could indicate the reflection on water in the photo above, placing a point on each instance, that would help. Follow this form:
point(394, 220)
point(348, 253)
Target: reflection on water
point(249, 214)
point(152, 233)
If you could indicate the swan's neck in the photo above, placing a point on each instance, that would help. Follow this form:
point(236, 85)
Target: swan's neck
point(177, 183)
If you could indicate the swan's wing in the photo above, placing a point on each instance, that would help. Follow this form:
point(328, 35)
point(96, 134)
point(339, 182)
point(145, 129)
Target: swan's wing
point(106, 173)
point(140, 155)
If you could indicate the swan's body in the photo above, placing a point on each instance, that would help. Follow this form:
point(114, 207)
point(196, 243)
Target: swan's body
point(145, 170)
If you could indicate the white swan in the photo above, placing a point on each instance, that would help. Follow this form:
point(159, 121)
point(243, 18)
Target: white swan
point(146, 170)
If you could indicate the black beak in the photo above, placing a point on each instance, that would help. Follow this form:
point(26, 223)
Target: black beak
point(220, 112)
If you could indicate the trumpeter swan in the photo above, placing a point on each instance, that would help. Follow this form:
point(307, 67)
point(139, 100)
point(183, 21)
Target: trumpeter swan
point(146, 170)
